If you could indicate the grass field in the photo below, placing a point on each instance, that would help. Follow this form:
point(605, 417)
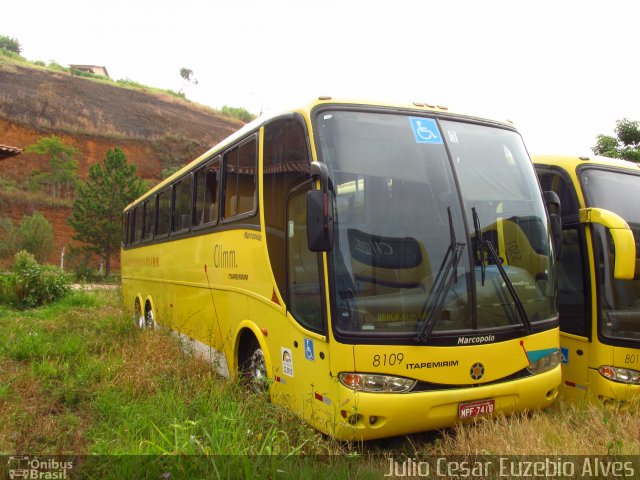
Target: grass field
point(78, 379)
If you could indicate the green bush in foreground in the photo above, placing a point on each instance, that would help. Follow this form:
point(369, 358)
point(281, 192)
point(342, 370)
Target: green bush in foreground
point(30, 284)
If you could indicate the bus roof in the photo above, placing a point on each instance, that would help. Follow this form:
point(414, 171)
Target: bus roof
point(305, 110)
point(570, 162)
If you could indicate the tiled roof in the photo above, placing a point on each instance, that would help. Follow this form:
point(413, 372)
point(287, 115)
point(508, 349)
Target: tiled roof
point(6, 151)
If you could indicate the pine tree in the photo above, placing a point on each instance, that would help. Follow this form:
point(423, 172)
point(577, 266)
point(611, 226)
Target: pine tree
point(97, 210)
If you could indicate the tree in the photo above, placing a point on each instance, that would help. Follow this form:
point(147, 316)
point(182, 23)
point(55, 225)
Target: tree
point(188, 76)
point(97, 210)
point(625, 145)
point(10, 44)
point(8, 237)
point(62, 164)
point(34, 234)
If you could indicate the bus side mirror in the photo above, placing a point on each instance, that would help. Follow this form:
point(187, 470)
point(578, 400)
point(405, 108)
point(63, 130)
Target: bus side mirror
point(320, 211)
point(624, 243)
point(552, 201)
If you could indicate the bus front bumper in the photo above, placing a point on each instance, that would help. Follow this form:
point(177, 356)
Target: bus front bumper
point(367, 416)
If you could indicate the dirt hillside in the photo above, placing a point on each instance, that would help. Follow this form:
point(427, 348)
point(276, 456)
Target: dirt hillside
point(155, 130)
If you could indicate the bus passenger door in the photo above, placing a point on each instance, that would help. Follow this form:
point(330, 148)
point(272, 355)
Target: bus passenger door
point(305, 309)
point(575, 311)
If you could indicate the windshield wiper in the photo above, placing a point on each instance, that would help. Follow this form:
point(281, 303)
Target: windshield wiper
point(446, 275)
point(481, 245)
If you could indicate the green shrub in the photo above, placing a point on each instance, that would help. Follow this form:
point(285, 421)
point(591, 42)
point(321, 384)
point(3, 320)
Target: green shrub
point(237, 112)
point(31, 284)
point(5, 296)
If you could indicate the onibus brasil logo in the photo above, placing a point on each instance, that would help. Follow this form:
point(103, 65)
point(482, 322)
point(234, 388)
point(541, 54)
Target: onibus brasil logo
point(35, 468)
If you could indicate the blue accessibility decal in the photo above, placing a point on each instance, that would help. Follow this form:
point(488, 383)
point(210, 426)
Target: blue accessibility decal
point(425, 130)
point(308, 349)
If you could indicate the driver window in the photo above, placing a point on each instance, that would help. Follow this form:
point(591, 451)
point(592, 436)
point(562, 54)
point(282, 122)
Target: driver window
point(303, 274)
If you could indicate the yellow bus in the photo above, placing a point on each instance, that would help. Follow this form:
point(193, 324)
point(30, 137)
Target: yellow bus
point(598, 282)
point(379, 269)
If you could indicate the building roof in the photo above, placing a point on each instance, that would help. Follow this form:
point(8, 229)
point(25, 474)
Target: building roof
point(7, 151)
point(92, 68)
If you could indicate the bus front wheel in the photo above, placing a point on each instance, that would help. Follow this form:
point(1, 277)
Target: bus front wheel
point(254, 368)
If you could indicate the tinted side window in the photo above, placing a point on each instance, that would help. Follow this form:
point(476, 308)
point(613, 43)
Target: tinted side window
point(286, 164)
point(164, 212)
point(125, 228)
point(304, 292)
point(555, 182)
point(137, 224)
point(240, 179)
point(206, 194)
point(149, 218)
point(571, 284)
point(182, 205)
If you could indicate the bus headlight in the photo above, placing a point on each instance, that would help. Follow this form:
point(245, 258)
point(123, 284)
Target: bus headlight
point(365, 382)
point(623, 375)
point(546, 363)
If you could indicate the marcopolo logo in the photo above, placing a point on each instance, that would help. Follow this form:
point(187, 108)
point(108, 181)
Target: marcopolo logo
point(35, 468)
point(476, 340)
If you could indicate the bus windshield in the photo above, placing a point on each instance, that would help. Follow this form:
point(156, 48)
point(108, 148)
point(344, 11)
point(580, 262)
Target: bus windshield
point(619, 299)
point(440, 230)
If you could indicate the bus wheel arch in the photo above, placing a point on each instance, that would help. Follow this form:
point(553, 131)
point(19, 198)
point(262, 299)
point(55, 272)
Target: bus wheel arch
point(253, 365)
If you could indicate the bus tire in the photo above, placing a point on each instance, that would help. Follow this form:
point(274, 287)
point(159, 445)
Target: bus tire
point(149, 318)
point(253, 368)
point(138, 317)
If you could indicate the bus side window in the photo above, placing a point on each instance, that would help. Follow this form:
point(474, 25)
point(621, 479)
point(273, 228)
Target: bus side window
point(571, 285)
point(164, 213)
point(303, 280)
point(125, 229)
point(206, 194)
point(149, 218)
point(285, 165)
point(240, 179)
point(182, 205)
point(137, 224)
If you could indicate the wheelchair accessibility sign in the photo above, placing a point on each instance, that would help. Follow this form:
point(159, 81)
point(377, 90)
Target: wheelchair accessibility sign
point(309, 354)
point(425, 130)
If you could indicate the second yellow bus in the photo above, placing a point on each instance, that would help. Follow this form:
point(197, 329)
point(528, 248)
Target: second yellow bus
point(599, 286)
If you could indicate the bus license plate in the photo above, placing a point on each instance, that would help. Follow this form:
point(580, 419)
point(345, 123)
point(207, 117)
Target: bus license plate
point(475, 409)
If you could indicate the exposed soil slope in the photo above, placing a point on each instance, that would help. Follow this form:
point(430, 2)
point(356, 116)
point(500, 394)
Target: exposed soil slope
point(155, 130)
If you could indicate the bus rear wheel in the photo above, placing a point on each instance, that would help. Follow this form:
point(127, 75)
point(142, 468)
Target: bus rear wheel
point(138, 317)
point(149, 319)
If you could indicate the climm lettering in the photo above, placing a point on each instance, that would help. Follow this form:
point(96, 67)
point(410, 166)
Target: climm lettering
point(224, 258)
point(444, 363)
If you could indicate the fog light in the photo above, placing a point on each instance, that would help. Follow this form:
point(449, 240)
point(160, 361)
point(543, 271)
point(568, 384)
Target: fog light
point(353, 419)
point(373, 420)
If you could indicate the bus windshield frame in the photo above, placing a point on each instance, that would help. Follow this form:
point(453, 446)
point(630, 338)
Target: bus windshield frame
point(441, 236)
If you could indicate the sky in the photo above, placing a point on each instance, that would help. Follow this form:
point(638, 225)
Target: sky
point(563, 71)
